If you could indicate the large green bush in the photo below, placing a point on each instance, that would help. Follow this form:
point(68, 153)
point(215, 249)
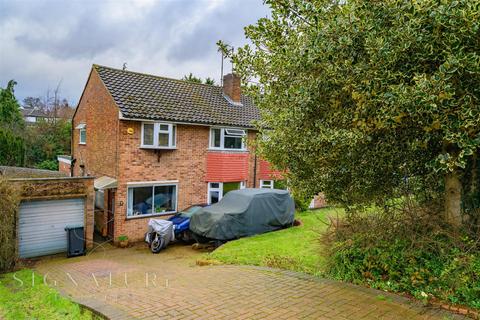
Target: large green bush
point(407, 252)
point(9, 201)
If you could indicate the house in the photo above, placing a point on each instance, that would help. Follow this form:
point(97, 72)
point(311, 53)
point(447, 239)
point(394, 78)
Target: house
point(34, 115)
point(157, 145)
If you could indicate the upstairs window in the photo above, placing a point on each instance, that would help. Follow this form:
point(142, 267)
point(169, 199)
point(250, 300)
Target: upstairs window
point(158, 135)
point(82, 133)
point(227, 138)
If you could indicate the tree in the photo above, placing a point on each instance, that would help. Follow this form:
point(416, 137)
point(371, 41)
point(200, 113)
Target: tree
point(11, 128)
point(209, 81)
point(192, 78)
point(45, 140)
point(362, 99)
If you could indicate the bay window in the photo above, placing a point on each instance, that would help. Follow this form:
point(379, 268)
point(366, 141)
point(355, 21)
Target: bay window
point(158, 135)
point(227, 138)
point(151, 200)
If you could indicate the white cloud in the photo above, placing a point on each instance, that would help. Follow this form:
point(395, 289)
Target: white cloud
point(44, 42)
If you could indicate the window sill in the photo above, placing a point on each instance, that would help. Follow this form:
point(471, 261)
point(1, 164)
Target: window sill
point(82, 143)
point(158, 148)
point(229, 150)
point(140, 216)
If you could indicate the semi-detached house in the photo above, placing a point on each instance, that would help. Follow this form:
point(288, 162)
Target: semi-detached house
point(157, 145)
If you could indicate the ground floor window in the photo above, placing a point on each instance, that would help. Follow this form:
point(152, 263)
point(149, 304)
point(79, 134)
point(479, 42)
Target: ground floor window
point(216, 190)
point(266, 184)
point(273, 184)
point(152, 200)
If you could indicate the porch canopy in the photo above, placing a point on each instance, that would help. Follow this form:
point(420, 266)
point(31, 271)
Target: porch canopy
point(104, 183)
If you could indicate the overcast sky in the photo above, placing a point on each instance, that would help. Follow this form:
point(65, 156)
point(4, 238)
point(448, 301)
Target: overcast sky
point(43, 43)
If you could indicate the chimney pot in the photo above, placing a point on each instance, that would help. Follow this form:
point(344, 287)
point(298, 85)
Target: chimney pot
point(231, 87)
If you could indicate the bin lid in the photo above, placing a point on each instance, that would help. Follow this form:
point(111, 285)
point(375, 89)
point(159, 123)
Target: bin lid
point(73, 226)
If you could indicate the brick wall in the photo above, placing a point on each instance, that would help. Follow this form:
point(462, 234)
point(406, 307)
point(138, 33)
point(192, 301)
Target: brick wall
point(186, 164)
point(64, 167)
point(98, 111)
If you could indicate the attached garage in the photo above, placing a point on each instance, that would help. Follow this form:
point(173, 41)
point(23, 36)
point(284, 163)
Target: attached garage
point(41, 225)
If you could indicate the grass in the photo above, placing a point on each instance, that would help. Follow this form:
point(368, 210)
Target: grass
point(26, 301)
point(296, 248)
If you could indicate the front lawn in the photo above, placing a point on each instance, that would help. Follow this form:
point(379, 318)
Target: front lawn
point(20, 300)
point(296, 248)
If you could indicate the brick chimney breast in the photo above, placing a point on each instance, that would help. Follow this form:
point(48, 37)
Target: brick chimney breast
point(231, 87)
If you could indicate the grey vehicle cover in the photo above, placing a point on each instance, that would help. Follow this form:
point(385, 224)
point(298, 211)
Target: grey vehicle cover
point(243, 213)
point(163, 228)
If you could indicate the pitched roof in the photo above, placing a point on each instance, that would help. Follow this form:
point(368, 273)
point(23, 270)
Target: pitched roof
point(33, 112)
point(148, 97)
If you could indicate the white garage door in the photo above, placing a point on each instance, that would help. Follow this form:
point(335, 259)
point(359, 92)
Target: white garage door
point(41, 225)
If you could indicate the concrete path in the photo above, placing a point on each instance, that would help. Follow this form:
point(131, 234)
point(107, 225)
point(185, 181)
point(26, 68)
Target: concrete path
point(136, 284)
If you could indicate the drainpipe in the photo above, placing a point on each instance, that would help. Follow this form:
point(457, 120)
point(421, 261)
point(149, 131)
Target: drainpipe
point(255, 170)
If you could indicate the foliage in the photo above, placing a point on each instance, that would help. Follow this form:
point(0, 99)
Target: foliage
point(358, 95)
point(9, 200)
point(191, 78)
point(19, 299)
point(12, 147)
point(210, 81)
point(11, 127)
point(295, 248)
point(410, 250)
point(122, 238)
point(48, 165)
point(45, 140)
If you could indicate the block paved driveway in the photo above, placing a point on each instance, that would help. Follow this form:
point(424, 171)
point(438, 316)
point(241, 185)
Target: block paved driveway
point(170, 285)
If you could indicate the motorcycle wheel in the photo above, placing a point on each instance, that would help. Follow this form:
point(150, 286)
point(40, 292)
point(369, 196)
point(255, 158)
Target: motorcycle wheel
point(157, 244)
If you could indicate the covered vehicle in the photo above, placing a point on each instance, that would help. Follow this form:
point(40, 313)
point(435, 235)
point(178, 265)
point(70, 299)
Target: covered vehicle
point(159, 235)
point(243, 213)
point(181, 222)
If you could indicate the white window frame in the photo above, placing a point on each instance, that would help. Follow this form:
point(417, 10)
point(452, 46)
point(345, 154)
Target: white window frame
point(152, 185)
point(270, 184)
point(172, 135)
point(220, 190)
point(227, 132)
point(80, 141)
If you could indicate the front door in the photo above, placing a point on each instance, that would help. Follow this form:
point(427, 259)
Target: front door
point(111, 213)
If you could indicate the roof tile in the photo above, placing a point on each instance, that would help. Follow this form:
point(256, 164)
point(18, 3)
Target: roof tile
point(144, 96)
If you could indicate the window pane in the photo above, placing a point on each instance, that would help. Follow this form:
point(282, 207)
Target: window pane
point(148, 134)
point(216, 138)
point(164, 127)
point(141, 200)
point(235, 132)
point(214, 185)
point(83, 135)
point(233, 143)
point(229, 186)
point(214, 196)
point(174, 137)
point(266, 184)
point(164, 199)
point(163, 139)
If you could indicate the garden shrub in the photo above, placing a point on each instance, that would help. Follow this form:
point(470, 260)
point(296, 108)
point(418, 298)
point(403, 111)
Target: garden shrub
point(409, 250)
point(9, 200)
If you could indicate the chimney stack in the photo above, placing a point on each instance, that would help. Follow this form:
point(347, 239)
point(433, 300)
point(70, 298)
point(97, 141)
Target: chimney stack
point(231, 87)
